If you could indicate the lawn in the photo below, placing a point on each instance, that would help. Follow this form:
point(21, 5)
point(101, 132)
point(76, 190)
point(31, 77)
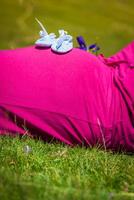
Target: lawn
point(31, 169)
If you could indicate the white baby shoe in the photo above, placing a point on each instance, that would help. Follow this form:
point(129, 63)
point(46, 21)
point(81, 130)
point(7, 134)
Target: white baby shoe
point(63, 44)
point(45, 40)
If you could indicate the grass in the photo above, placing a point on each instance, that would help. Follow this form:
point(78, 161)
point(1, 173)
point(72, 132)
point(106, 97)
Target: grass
point(110, 23)
point(56, 171)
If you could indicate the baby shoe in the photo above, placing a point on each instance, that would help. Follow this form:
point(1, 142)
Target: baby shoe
point(63, 44)
point(45, 40)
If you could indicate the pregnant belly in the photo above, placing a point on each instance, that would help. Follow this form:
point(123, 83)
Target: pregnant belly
point(76, 84)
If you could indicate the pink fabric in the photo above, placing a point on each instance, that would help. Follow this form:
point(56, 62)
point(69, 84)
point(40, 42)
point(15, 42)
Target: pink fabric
point(77, 98)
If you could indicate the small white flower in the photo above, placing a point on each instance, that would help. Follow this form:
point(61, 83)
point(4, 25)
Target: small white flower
point(27, 149)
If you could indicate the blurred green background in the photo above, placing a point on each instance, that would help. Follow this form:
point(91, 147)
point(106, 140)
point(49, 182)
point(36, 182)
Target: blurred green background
point(109, 23)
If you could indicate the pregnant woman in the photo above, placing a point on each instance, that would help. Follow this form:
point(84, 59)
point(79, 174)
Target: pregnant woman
point(76, 98)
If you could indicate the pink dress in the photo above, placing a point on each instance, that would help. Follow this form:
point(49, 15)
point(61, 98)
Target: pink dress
point(76, 98)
